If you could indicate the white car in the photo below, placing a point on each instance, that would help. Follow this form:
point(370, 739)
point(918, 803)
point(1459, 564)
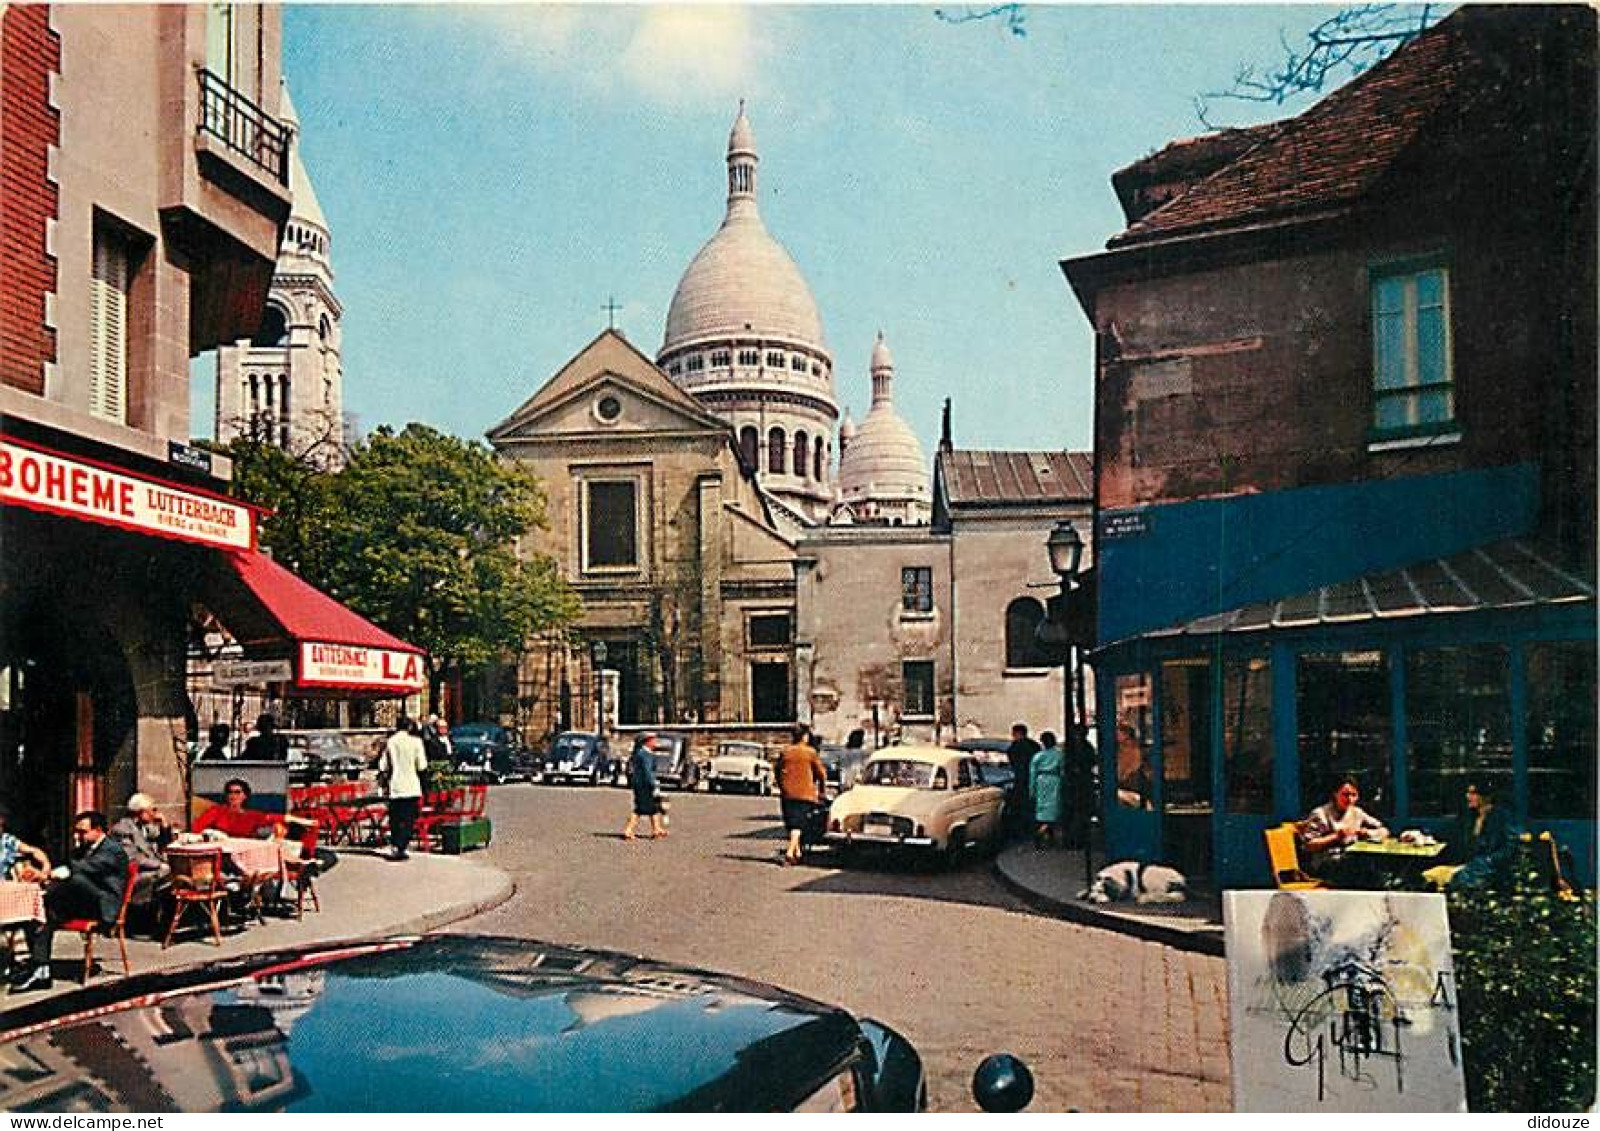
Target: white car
point(920, 797)
point(740, 767)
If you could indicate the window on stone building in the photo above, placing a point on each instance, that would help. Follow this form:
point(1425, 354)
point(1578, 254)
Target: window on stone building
point(611, 524)
point(274, 329)
point(720, 359)
point(816, 461)
point(749, 443)
point(694, 363)
point(1413, 389)
point(797, 362)
point(1559, 721)
point(111, 274)
point(802, 448)
point(776, 448)
point(916, 589)
point(749, 357)
point(916, 678)
point(774, 360)
point(769, 630)
point(1023, 649)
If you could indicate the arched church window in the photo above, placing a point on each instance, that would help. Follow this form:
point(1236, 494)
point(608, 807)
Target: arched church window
point(324, 328)
point(816, 461)
point(802, 448)
point(1023, 650)
point(775, 451)
point(749, 443)
point(274, 329)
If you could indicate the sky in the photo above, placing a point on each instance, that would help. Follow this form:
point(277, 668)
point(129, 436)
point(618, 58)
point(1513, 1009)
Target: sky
point(495, 175)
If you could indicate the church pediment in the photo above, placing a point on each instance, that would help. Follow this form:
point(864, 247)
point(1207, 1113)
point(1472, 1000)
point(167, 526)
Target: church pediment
point(609, 388)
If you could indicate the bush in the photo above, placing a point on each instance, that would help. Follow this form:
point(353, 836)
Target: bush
point(1525, 972)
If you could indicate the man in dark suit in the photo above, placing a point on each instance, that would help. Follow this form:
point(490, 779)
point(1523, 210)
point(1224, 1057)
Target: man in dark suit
point(92, 889)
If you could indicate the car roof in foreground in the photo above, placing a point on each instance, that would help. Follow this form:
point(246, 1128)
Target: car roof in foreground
point(438, 1023)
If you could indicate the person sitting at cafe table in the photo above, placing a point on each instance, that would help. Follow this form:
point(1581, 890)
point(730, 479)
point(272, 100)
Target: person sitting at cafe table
point(1330, 829)
point(18, 861)
point(1481, 850)
point(144, 834)
point(91, 888)
point(231, 816)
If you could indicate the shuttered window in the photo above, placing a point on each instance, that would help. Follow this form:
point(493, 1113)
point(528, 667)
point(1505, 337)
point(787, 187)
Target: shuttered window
point(108, 328)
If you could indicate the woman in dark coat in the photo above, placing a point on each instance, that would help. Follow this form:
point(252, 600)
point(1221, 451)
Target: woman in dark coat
point(646, 790)
point(1482, 849)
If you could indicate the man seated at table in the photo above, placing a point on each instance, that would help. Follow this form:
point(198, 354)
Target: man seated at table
point(232, 816)
point(92, 889)
point(1330, 829)
point(144, 834)
point(18, 861)
point(1481, 850)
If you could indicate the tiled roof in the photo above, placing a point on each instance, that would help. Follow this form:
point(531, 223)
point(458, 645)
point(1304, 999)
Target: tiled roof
point(1503, 575)
point(980, 477)
point(1331, 154)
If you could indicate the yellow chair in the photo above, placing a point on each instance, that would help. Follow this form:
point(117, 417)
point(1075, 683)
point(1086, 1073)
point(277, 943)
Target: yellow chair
point(1284, 860)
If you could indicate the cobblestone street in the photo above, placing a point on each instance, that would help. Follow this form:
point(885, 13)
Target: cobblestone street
point(953, 961)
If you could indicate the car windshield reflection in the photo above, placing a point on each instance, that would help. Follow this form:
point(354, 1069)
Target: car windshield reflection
point(900, 772)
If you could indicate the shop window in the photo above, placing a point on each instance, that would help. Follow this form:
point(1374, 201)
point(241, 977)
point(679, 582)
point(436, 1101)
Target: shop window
point(1458, 726)
point(1023, 650)
point(1412, 373)
point(1186, 734)
point(776, 447)
point(1560, 728)
point(1342, 700)
point(749, 445)
point(611, 524)
point(1247, 734)
point(1135, 779)
point(916, 589)
point(769, 630)
point(916, 678)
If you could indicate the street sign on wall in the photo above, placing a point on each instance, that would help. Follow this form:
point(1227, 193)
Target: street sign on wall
point(248, 673)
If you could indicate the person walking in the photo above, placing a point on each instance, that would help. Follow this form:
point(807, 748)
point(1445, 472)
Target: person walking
point(1044, 783)
point(646, 790)
point(400, 770)
point(1020, 754)
point(801, 777)
point(91, 889)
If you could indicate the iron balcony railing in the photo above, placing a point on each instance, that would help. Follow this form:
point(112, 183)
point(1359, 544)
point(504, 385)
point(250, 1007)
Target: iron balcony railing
point(243, 127)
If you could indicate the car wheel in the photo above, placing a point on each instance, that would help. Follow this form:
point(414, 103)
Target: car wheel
point(950, 858)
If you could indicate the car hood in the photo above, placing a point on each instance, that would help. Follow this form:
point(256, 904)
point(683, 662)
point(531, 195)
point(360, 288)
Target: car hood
point(432, 1024)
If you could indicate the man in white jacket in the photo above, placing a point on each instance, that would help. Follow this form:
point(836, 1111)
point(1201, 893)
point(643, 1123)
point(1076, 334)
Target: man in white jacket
point(400, 769)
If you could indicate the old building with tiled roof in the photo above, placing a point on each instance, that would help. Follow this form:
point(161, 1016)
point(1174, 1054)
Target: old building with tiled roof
point(1345, 454)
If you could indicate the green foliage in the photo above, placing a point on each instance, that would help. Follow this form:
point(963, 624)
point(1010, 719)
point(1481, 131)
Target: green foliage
point(418, 532)
point(1525, 969)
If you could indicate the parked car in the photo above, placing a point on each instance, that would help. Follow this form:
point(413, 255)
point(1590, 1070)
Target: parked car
point(578, 756)
point(608, 1032)
point(843, 765)
point(326, 755)
point(920, 797)
point(489, 752)
point(742, 767)
point(675, 764)
point(992, 759)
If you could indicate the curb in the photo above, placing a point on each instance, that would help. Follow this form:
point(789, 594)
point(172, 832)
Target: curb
point(433, 920)
point(1206, 941)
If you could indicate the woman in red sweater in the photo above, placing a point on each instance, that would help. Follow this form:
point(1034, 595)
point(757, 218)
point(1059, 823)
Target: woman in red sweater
point(231, 816)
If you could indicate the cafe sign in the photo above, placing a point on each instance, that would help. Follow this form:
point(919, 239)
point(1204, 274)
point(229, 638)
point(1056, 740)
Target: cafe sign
point(249, 673)
point(346, 665)
point(46, 481)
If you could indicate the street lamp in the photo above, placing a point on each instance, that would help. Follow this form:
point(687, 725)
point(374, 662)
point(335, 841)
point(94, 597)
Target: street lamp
point(1065, 546)
point(598, 651)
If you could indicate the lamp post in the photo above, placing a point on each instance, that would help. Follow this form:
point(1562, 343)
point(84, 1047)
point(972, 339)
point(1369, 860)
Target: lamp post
point(1065, 546)
point(598, 651)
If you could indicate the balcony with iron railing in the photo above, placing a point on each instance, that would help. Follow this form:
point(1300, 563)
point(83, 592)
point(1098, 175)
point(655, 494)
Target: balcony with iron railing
point(243, 128)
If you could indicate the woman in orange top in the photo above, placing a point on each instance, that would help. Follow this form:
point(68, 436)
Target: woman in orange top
point(800, 776)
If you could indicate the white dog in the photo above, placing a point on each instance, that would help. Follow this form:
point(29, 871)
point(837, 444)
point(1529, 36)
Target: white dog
point(1131, 882)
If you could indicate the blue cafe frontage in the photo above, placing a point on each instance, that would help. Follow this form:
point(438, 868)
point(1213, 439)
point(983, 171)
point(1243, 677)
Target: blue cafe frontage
point(1474, 668)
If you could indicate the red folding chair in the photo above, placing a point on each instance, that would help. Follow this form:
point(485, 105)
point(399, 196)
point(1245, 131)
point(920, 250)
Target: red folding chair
point(117, 929)
point(302, 873)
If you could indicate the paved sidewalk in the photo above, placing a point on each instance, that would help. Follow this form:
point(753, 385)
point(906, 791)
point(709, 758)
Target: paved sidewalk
point(1052, 879)
point(362, 896)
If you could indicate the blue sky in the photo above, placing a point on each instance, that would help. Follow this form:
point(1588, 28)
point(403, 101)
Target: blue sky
point(492, 174)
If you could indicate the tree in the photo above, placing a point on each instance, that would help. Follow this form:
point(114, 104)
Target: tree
point(418, 532)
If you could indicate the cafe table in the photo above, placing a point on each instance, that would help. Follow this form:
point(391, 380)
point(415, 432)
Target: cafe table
point(20, 903)
point(1395, 858)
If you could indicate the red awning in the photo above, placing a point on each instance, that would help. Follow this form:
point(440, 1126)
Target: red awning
point(268, 609)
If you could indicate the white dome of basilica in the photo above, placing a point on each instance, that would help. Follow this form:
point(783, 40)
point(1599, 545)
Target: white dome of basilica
point(883, 473)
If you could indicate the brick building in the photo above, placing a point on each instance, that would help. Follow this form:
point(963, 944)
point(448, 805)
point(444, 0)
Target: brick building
point(1345, 492)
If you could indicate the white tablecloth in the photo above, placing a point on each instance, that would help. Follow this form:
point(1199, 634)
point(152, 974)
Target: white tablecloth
point(20, 902)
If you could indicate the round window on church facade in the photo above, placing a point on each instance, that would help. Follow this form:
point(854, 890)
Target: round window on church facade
point(608, 409)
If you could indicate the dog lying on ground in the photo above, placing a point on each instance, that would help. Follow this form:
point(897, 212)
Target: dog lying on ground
point(1131, 882)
